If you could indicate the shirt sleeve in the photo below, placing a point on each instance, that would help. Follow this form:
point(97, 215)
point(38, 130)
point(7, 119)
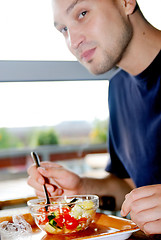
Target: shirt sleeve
point(115, 166)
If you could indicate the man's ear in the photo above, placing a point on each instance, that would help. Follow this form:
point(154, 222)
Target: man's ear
point(129, 6)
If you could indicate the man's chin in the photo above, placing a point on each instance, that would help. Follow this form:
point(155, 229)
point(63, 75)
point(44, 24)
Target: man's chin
point(96, 71)
point(93, 70)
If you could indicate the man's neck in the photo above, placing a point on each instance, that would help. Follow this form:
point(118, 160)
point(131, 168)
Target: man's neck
point(143, 48)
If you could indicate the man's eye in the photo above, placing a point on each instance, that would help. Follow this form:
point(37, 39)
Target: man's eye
point(82, 14)
point(64, 30)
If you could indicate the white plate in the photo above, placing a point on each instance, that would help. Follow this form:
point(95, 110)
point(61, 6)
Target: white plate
point(113, 228)
point(116, 236)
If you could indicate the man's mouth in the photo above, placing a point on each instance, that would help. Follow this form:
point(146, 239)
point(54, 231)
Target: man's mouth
point(87, 55)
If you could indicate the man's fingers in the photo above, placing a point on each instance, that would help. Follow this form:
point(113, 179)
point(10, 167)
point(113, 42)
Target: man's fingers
point(152, 227)
point(32, 171)
point(51, 172)
point(39, 187)
point(139, 205)
point(145, 216)
point(63, 178)
point(49, 164)
point(135, 199)
point(34, 183)
point(57, 192)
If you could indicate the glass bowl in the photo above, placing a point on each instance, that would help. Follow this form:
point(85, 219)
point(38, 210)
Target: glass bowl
point(65, 214)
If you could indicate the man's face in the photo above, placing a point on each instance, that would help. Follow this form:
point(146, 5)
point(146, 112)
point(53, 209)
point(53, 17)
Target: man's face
point(97, 32)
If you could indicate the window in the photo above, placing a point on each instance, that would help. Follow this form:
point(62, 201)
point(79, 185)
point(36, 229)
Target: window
point(27, 32)
point(50, 103)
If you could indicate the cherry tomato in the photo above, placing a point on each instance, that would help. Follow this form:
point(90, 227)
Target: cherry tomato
point(70, 222)
point(60, 221)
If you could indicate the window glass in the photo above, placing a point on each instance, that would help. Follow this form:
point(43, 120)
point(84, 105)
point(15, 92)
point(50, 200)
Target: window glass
point(61, 121)
point(49, 103)
point(63, 106)
point(27, 32)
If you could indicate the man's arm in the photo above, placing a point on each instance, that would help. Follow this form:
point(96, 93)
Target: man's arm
point(62, 181)
point(108, 186)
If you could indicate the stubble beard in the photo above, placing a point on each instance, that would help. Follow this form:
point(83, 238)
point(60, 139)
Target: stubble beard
point(111, 58)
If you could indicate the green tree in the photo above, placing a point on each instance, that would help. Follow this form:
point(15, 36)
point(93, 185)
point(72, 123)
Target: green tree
point(45, 137)
point(7, 140)
point(99, 131)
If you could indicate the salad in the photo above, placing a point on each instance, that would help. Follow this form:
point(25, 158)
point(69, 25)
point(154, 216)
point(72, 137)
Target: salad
point(66, 217)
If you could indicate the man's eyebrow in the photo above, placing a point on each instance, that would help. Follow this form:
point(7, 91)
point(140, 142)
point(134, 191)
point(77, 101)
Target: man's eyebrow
point(73, 5)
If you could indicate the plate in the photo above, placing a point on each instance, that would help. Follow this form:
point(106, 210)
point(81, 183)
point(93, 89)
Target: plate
point(105, 227)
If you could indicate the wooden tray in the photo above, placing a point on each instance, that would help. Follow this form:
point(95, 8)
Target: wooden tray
point(105, 227)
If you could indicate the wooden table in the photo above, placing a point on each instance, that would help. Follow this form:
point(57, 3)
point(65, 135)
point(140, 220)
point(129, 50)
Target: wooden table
point(141, 236)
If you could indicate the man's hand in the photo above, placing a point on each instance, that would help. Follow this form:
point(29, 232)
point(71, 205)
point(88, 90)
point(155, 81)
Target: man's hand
point(58, 180)
point(61, 181)
point(144, 206)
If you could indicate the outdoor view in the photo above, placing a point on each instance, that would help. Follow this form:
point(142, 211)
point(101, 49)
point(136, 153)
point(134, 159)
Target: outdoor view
point(59, 113)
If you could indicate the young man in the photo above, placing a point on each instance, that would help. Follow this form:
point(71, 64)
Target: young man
point(102, 34)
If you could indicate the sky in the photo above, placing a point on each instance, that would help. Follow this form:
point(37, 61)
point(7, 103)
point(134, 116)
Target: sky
point(27, 33)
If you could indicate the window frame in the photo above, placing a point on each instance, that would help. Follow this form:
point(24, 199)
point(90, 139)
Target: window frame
point(20, 71)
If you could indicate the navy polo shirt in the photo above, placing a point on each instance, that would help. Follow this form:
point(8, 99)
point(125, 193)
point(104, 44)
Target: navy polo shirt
point(135, 125)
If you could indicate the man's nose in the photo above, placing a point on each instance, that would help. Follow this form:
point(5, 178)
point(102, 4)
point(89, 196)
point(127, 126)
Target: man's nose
point(75, 38)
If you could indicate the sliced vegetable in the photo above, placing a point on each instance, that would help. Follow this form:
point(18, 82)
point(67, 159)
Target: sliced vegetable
point(70, 222)
point(53, 223)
